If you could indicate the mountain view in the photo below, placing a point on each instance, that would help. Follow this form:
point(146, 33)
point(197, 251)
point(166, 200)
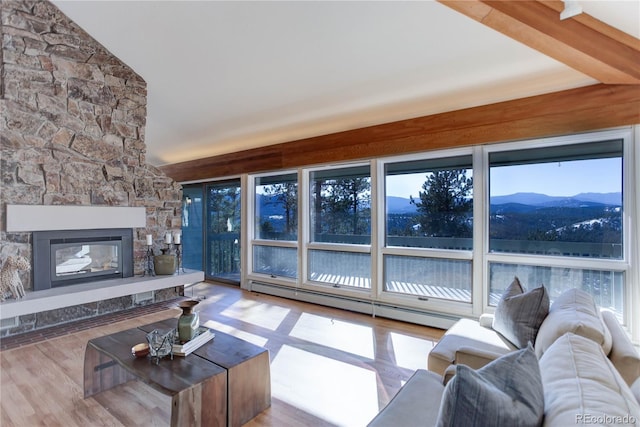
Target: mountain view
point(536, 199)
point(527, 201)
point(401, 205)
point(582, 220)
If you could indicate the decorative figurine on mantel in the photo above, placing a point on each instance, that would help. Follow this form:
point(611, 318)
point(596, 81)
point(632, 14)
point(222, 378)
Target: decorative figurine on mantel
point(10, 279)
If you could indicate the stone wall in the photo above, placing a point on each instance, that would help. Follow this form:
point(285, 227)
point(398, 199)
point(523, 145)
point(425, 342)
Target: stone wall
point(73, 130)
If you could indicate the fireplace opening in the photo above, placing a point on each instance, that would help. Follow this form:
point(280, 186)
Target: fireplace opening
point(69, 257)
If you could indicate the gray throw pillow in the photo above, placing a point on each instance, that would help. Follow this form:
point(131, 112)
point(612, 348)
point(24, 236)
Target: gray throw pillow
point(506, 392)
point(519, 314)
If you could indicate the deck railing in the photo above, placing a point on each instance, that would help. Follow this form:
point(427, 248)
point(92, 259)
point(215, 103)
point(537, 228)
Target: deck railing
point(429, 277)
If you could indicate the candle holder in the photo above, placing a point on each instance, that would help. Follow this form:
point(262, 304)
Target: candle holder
point(180, 268)
point(149, 270)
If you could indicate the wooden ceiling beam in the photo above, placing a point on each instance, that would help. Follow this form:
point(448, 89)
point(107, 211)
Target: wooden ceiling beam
point(581, 42)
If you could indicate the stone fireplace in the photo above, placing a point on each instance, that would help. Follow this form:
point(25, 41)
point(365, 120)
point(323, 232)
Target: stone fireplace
point(72, 127)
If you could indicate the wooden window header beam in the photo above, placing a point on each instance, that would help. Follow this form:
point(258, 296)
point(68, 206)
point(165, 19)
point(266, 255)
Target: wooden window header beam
point(560, 113)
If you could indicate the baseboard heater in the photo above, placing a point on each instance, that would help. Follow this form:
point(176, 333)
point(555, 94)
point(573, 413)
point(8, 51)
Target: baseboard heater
point(374, 308)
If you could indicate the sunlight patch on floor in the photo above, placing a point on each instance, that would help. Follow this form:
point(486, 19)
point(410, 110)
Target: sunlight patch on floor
point(410, 352)
point(345, 336)
point(253, 339)
point(196, 293)
point(337, 392)
point(257, 313)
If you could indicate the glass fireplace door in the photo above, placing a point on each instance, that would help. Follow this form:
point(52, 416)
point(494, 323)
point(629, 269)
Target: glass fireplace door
point(78, 260)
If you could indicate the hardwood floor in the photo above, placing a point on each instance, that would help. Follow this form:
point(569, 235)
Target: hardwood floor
point(329, 367)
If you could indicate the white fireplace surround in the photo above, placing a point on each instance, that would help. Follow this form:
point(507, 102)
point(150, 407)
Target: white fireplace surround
point(25, 218)
point(28, 218)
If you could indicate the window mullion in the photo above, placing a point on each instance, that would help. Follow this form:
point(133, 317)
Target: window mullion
point(479, 288)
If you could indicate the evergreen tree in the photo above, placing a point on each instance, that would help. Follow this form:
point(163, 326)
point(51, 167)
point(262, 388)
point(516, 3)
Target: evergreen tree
point(286, 196)
point(445, 205)
point(224, 209)
point(342, 206)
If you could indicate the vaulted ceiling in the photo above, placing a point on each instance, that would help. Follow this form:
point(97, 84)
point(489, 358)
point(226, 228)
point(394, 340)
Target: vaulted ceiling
point(226, 76)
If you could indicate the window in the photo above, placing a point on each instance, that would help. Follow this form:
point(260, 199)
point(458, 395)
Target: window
point(275, 261)
point(341, 205)
point(429, 209)
point(340, 268)
point(556, 218)
point(276, 207)
point(443, 233)
point(428, 277)
point(606, 286)
point(276, 225)
point(340, 227)
point(561, 201)
point(429, 203)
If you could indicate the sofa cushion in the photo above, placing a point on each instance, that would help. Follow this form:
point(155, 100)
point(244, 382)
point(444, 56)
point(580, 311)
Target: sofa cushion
point(519, 314)
point(573, 311)
point(623, 355)
point(580, 383)
point(635, 389)
point(507, 391)
point(465, 333)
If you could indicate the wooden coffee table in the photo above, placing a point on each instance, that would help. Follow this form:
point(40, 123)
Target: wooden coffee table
point(227, 381)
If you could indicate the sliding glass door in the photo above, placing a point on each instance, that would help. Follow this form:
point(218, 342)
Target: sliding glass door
point(222, 237)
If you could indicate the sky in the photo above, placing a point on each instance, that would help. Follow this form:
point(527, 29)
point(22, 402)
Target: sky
point(553, 179)
point(559, 179)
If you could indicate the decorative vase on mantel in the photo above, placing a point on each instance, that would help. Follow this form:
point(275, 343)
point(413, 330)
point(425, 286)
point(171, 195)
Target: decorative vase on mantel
point(188, 322)
point(165, 264)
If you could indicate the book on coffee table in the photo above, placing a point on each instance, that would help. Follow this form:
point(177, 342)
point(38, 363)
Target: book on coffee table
point(204, 336)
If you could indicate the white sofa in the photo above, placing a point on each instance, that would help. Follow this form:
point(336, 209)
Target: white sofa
point(589, 369)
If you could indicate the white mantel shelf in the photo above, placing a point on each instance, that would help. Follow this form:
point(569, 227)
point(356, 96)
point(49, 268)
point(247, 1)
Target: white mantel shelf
point(67, 296)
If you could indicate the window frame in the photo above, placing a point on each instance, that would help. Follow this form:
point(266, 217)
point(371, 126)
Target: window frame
point(308, 245)
point(432, 304)
point(628, 200)
point(479, 256)
point(253, 241)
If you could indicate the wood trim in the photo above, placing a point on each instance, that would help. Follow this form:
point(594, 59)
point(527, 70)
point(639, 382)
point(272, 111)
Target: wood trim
point(582, 42)
point(571, 111)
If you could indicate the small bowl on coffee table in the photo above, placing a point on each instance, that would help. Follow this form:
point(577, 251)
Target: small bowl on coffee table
point(140, 350)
